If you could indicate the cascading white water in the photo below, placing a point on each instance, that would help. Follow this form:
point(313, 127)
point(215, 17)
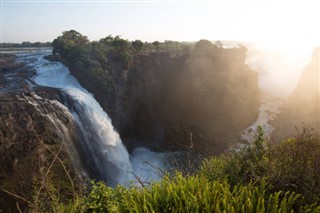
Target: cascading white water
point(101, 142)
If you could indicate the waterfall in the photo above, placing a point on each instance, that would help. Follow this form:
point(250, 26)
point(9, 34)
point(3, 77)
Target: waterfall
point(101, 145)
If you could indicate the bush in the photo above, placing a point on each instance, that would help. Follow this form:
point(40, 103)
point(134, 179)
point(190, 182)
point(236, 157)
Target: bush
point(99, 198)
point(193, 194)
point(258, 178)
point(240, 166)
point(292, 165)
point(295, 165)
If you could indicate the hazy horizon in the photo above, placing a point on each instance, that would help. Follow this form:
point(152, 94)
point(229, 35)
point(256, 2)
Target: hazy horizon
point(286, 30)
point(248, 21)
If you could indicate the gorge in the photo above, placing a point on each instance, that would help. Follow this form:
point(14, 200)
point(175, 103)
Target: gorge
point(193, 98)
point(158, 96)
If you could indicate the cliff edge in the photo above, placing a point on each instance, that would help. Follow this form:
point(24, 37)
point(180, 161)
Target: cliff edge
point(303, 107)
point(166, 96)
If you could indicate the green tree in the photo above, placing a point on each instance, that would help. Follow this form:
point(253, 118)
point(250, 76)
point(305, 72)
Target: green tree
point(107, 40)
point(156, 44)
point(203, 44)
point(120, 44)
point(70, 45)
point(137, 45)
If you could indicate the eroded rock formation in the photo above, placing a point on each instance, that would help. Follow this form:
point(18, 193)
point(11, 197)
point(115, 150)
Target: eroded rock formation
point(35, 129)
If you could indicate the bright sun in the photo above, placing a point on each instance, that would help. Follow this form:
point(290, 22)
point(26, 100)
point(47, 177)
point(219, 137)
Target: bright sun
point(290, 26)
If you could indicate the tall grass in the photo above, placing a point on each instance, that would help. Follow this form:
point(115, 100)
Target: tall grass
point(259, 178)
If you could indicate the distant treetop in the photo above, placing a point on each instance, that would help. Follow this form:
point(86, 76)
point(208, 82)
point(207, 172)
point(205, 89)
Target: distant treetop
point(25, 44)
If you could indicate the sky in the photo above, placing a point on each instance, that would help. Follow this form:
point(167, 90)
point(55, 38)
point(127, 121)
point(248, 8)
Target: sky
point(277, 22)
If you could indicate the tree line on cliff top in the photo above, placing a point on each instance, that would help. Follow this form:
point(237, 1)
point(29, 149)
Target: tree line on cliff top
point(25, 44)
point(91, 58)
point(72, 45)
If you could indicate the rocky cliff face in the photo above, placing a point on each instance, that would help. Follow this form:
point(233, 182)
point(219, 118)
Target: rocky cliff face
point(303, 107)
point(200, 98)
point(34, 129)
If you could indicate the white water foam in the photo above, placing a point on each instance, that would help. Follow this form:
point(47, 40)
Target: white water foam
point(102, 142)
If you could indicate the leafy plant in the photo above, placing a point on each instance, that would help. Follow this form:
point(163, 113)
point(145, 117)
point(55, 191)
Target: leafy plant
point(291, 165)
point(193, 194)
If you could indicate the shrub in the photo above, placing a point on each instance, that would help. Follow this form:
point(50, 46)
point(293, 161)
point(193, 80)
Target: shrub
point(193, 194)
point(98, 199)
point(295, 165)
point(257, 178)
point(239, 166)
point(292, 165)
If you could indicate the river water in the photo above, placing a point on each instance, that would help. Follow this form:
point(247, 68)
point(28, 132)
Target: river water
point(269, 110)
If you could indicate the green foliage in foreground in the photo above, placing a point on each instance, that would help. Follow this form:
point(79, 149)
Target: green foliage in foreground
point(292, 165)
point(258, 178)
point(196, 194)
point(189, 194)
